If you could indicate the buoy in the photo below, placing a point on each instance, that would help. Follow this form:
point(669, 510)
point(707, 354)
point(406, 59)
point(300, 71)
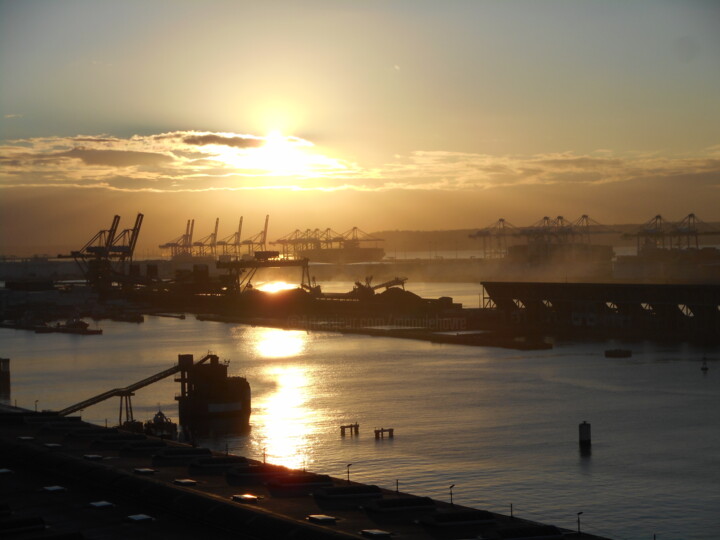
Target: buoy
point(585, 437)
point(5, 380)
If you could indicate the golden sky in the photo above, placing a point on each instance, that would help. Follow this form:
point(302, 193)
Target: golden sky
point(385, 115)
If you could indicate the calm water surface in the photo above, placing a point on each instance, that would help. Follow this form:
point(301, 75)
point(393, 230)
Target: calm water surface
point(501, 425)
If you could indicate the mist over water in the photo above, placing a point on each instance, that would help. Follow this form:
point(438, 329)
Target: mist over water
point(501, 425)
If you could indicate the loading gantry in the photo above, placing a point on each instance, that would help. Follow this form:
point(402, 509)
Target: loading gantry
point(103, 258)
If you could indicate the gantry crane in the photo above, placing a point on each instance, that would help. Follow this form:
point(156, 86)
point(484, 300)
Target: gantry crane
point(102, 259)
point(494, 238)
point(231, 244)
point(208, 244)
point(258, 242)
point(182, 245)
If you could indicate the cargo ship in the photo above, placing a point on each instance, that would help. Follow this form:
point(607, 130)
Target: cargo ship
point(211, 402)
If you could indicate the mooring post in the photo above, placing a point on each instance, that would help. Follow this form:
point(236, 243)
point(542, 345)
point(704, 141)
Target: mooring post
point(5, 380)
point(354, 429)
point(585, 438)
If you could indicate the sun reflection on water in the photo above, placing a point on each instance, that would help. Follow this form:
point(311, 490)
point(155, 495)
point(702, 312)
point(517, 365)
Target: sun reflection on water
point(285, 418)
point(284, 423)
point(274, 343)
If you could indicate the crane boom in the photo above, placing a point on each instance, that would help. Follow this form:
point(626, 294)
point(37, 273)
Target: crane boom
point(128, 390)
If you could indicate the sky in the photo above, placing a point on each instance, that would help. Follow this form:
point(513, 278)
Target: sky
point(386, 115)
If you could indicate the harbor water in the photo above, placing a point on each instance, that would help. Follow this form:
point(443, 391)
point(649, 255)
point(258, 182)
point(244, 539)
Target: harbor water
point(501, 425)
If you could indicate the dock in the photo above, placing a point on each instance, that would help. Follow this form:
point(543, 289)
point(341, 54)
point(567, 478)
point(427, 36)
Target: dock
point(61, 477)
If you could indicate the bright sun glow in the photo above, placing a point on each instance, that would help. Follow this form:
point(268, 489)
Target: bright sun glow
point(275, 286)
point(279, 155)
point(287, 417)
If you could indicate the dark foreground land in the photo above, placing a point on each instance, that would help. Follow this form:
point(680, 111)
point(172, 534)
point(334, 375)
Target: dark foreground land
point(63, 478)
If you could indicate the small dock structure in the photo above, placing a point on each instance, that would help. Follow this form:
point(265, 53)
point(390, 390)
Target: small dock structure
point(353, 428)
point(380, 433)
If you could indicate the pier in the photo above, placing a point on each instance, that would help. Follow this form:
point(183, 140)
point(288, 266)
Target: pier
point(380, 433)
point(353, 428)
point(62, 477)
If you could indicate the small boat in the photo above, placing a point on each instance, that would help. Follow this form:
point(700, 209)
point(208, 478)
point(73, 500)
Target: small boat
point(73, 326)
point(161, 426)
point(618, 353)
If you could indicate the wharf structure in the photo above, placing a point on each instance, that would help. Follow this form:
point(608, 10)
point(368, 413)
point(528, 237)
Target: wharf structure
point(63, 478)
point(659, 311)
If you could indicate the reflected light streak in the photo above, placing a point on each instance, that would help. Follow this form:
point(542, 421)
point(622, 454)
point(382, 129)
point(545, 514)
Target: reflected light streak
point(286, 418)
point(275, 343)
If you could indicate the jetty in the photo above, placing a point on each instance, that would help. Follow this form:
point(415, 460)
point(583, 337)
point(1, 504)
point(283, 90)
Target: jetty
point(61, 477)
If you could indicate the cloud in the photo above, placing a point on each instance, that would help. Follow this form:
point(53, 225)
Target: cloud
point(233, 142)
point(182, 161)
point(117, 158)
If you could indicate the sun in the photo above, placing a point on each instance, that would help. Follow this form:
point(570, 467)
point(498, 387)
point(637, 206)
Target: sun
point(284, 156)
point(278, 155)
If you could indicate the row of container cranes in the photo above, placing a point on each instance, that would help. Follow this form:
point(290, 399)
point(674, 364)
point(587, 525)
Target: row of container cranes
point(318, 245)
point(665, 249)
point(656, 233)
point(185, 246)
point(327, 245)
point(545, 237)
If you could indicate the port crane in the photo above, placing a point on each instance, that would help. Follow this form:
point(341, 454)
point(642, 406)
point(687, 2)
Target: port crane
point(231, 244)
point(298, 243)
point(208, 244)
point(494, 238)
point(127, 392)
point(545, 231)
point(658, 233)
point(102, 259)
point(258, 242)
point(182, 245)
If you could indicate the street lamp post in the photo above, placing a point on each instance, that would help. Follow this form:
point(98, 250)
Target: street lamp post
point(451, 498)
point(578, 517)
point(36, 402)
